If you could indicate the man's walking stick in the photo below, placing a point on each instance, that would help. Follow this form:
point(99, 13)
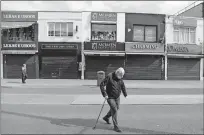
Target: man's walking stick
point(99, 113)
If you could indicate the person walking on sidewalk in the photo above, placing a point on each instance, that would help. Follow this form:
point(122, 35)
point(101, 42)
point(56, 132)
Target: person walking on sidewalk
point(24, 73)
point(114, 85)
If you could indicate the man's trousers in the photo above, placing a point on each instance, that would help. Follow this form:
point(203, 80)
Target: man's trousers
point(114, 106)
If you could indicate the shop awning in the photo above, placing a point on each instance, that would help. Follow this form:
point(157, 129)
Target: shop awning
point(184, 56)
point(104, 53)
point(134, 53)
point(9, 25)
point(19, 51)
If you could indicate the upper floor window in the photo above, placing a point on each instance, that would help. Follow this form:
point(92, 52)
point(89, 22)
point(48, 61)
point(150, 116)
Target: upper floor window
point(184, 35)
point(18, 31)
point(60, 29)
point(144, 33)
point(103, 32)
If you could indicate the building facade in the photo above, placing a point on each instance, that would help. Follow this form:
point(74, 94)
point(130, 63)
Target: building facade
point(59, 44)
point(103, 38)
point(184, 36)
point(144, 46)
point(19, 43)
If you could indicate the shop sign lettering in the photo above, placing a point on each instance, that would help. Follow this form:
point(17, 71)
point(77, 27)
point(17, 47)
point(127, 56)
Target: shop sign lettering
point(70, 46)
point(12, 16)
point(144, 46)
point(103, 16)
point(19, 16)
point(19, 45)
point(178, 22)
point(177, 49)
point(103, 46)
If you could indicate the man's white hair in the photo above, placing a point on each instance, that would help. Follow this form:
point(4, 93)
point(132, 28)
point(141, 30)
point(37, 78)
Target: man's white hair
point(120, 70)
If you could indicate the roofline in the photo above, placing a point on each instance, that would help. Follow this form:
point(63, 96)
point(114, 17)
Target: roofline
point(192, 8)
point(85, 11)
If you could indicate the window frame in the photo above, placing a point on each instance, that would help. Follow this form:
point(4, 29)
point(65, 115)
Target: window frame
point(189, 34)
point(145, 33)
point(104, 24)
point(33, 24)
point(67, 29)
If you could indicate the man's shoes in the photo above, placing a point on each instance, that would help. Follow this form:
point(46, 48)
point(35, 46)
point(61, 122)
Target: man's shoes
point(117, 130)
point(106, 120)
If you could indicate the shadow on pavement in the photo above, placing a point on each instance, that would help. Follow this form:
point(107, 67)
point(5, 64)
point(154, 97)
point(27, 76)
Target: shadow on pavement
point(86, 123)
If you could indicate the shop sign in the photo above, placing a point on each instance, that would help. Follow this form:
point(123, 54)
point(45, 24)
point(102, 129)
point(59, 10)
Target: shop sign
point(104, 46)
point(184, 49)
point(19, 16)
point(190, 22)
point(144, 47)
point(103, 16)
point(53, 46)
point(19, 46)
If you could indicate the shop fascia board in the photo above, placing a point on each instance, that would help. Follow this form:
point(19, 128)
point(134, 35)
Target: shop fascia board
point(185, 55)
point(104, 22)
point(104, 53)
point(19, 51)
point(143, 53)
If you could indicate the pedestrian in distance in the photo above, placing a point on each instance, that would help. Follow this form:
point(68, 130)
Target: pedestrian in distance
point(24, 73)
point(114, 85)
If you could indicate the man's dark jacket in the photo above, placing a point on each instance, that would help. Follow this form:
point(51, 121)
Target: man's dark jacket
point(114, 86)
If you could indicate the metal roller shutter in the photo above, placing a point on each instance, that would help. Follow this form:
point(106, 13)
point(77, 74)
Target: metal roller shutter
point(61, 67)
point(143, 67)
point(183, 69)
point(107, 64)
point(13, 64)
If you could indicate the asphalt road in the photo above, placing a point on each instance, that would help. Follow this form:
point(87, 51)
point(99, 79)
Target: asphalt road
point(77, 119)
point(95, 90)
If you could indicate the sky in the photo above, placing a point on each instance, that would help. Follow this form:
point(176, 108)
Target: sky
point(158, 7)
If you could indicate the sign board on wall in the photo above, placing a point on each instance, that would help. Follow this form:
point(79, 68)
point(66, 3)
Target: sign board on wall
point(184, 49)
point(21, 16)
point(61, 46)
point(144, 47)
point(103, 16)
point(104, 46)
point(189, 22)
point(19, 46)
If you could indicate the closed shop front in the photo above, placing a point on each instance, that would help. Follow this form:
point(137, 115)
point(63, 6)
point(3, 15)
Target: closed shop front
point(19, 43)
point(144, 61)
point(183, 62)
point(103, 56)
point(59, 60)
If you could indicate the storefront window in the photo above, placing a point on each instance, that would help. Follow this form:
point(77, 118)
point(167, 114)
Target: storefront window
point(184, 35)
point(144, 33)
point(60, 29)
point(103, 32)
point(18, 31)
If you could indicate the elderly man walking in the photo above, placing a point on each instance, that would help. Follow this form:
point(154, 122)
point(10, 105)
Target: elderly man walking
point(114, 85)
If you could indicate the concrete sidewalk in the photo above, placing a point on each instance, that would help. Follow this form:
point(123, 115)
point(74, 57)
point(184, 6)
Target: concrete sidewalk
point(63, 83)
point(97, 99)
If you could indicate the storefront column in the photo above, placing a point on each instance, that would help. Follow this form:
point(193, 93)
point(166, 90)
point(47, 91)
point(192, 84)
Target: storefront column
point(201, 69)
point(1, 65)
point(165, 66)
point(82, 60)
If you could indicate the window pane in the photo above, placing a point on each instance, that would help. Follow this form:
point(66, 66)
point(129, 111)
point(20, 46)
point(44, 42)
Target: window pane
point(138, 33)
point(186, 35)
point(150, 34)
point(57, 29)
point(51, 29)
point(192, 37)
point(19, 34)
point(176, 36)
point(103, 32)
point(70, 29)
point(64, 29)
